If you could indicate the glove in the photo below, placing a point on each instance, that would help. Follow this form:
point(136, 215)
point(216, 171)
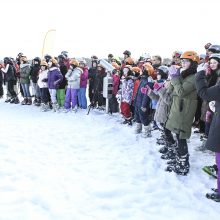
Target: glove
point(45, 80)
point(158, 86)
point(173, 72)
point(143, 109)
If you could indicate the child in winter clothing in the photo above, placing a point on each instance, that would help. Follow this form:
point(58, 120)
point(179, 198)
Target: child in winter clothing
point(62, 86)
point(25, 80)
point(54, 79)
point(126, 94)
point(43, 85)
point(73, 80)
point(113, 103)
point(34, 72)
point(183, 109)
point(142, 102)
point(83, 84)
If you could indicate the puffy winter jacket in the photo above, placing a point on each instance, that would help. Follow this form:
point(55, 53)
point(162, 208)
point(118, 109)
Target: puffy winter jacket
point(25, 73)
point(54, 78)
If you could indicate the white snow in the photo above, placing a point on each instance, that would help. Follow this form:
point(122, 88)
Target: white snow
point(57, 166)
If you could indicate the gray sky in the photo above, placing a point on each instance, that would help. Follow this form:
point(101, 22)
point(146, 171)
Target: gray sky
point(86, 27)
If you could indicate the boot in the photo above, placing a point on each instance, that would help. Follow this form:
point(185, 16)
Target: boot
point(170, 151)
point(147, 132)
point(15, 100)
point(213, 196)
point(24, 102)
point(35, 101)
point(8, 100)
point(181, 167)
point(163, 150)
point(138, 128)
point(29, 101)
point(55, 107)
point(38, 102)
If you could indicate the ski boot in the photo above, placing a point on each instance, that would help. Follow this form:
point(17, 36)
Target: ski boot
point(213, 196)
point(24, 102)
point(8, 100)
point(138, 128)
point(147, 132)
point(29, 101)
point(181, 166)
point(211, 170)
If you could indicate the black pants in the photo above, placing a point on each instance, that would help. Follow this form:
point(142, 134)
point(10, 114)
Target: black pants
point(182, 146)
point(45, 95)
point(169, 136)
point(11, 88)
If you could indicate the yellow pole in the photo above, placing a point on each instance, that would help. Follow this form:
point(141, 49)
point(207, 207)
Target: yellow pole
point(45, 40)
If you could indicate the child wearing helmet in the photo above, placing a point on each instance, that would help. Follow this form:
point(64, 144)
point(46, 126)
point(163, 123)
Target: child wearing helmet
point(126, 95)
point(182, 110)
point(54, 79)
point(43, 85)
point(73, 80)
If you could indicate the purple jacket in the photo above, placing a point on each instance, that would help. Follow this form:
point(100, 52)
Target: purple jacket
point(83, 78)
point(54, 78)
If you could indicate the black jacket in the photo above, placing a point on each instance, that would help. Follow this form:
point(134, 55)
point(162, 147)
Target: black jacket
point(34, 73)
point(210, 94)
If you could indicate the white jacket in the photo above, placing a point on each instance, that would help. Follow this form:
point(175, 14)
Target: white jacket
point(42, 76)
point(73, 78)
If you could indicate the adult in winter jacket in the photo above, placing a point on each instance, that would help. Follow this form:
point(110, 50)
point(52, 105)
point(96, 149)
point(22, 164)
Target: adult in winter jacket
point(183, 108)
point(34, 73)
point(212, 94)
point(10, 79)
point(73, 79)
point(83, 84)
point(92, 74)
point(142, 103)
point(54, 79)
point(25, 80)
point(98, 87)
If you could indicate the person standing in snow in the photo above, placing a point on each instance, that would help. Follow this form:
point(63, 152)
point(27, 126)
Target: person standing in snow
point(126, 94)
point(83, 84)
point(142, 103)
point(54, 79)
point(1, 83)
point(10, 79)
point(73, 80)
point(43, 85)
point(212, 94)
point(25, 80)
point(34, 72)
point(62, 86)
point(183, 109)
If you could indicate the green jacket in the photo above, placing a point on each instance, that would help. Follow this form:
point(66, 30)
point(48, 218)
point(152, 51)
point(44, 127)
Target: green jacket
point(25, 73)
point(183, 107)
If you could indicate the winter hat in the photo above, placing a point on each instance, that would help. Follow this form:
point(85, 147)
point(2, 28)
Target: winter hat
point(74, 62)
point(115, 65)
point(43, 63)
point(129, 61)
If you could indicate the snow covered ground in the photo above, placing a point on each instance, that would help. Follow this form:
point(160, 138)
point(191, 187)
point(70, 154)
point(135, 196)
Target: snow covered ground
point(57, 166)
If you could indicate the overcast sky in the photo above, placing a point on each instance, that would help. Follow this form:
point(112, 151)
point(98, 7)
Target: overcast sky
point(86, 27)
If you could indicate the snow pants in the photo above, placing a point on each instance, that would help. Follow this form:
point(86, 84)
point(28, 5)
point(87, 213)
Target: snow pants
point(61, 97)
point(126, 110)
point(71, 97)
point(82, 98)
point(142, 117)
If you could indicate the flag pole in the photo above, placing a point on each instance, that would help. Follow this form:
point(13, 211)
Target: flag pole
point(45, 40)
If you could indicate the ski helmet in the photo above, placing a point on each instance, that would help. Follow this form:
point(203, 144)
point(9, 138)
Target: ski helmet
point(214, 48)
point(191, 55)
point(215, 56)
point(127, 52)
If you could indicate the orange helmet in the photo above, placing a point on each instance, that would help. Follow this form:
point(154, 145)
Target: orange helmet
point(74, 62)
point(136, 69)
point(149, 68)
point(54, 61)
point(129, 61)
point(115, 65)
point(191, 55)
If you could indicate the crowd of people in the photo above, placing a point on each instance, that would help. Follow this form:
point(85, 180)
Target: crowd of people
point(149, 94)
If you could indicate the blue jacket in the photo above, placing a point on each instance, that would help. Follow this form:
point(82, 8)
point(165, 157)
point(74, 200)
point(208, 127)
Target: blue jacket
point(54, 78)
point(143, 100)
